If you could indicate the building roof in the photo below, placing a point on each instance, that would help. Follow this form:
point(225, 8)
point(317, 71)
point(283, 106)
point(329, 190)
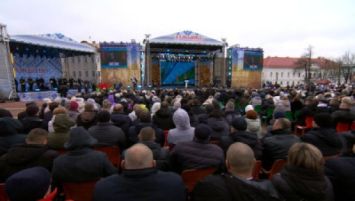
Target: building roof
point(186, 38)
point(53, 41)
point(291, 62)
point(280, 62)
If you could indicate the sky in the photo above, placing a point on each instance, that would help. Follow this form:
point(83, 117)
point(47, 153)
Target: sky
point(280, 27)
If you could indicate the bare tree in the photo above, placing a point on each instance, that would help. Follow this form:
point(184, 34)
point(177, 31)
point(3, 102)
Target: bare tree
point(305, 62)
point(347, 63)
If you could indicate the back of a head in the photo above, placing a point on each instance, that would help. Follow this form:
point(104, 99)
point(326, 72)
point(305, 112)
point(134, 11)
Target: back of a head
point(146, 134)
point(306, 156)
point(239, 124)
point(282, 123)
point(89, 107)
point(103, 116)
point(138, 156)
point(53, 105)
point(240, 158)
point(32, 110)
point(324, 120)
point(230, 106)
point(29, 184)
point(37, 136)
point(59, 110)
point(202, 133)
point(118, 107)
point(144, 116)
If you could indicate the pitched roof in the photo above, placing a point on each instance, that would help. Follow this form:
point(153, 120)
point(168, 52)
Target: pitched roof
point(186, 38)
point(280, 62)
point(54, 41)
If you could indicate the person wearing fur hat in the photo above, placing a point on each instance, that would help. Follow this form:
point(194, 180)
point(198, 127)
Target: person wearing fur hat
point(81, 163)
point(324, 136)
point(197, 153)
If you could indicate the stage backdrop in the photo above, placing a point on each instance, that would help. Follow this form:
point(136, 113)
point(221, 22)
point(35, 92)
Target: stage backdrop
point(36, 67)
point(120, 62)
point(246, 67)
point(175, 73)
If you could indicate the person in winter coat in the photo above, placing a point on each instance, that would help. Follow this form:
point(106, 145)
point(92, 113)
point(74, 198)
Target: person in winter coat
point(144, 120)
point(323, 135)
point(183, 131)
point(303, 177)
point(32, 120)
point(238, 184)
point(33, 153)
point(161, 156)
point(197, 153)
point(218, 124)
point(9, 135)
point(106, 133)
point(81, 163)
point(239, 134)
point(163, 118)
point(229, 112)
point(62, 124)
point(140, 180)
point(87, 118)
point(340, 171)
point(343, 114)
point(120, 119)
point(277, 143)
point(253, 122)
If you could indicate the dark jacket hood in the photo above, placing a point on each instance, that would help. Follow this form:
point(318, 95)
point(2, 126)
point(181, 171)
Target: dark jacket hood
point(248, 138)
point(9, 126)
point(79, 137)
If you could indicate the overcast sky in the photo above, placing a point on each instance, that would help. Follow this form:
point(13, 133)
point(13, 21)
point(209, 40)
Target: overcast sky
point(280, 27)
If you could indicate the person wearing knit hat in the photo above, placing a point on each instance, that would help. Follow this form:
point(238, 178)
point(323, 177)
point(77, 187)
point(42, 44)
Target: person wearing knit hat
point(198, 153)
point(239, 133)
point(30, 184)
point(254, 123)
point(248, 108)
point(323, 135)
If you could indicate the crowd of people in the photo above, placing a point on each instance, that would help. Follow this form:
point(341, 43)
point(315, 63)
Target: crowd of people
point(163, 132)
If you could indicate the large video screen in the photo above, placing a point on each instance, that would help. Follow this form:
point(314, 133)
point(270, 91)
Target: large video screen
point(113, 57)
point(175, 73)
point(253, 60)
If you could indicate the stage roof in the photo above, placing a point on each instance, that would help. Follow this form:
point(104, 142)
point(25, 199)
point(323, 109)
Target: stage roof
point(186, 38)
point(53, 41)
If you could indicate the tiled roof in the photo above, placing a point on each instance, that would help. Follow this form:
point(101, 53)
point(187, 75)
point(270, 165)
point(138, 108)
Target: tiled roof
point(280, 62)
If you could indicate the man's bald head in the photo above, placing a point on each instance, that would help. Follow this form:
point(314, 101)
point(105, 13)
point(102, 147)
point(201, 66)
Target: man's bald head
point(139, 156)
point(240, 159)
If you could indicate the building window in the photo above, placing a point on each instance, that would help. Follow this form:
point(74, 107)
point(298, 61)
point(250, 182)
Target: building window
point(294, 74)
point(87, 73)
point(299, 74)
point(74, 74)
point(79, 74)
point(93, 73)
point(282, 74)
point(288, 75)
point(270, 74)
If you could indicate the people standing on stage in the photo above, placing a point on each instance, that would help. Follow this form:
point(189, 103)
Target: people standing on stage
point(16, 85)
point(80, 84)
point(53, 83)
point(30, 84)
point(23, 84)
point(134, 82)
point(71, 83)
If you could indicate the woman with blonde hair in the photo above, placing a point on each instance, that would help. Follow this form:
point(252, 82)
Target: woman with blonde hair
point(303, 177)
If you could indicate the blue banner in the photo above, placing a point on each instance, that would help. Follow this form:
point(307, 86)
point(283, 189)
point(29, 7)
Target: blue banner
point(175, 73)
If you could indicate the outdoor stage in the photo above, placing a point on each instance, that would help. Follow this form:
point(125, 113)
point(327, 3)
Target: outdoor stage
point(172, 59)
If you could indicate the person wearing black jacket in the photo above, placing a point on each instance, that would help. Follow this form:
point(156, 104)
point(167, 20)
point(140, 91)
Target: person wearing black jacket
point(323, 135)
point(120, 119)
point(140, 180)
point(238, 184)
point(33, 153)
point(9, 134)
point(277, 143)
point(239, 134)
point(163, 118)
